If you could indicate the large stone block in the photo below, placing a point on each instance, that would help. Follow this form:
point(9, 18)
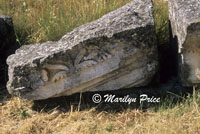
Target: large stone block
point(8, 45)
point(116, 51)
point(184, 17)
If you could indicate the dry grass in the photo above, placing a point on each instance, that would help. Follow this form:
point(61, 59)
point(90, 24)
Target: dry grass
point(19, 117)
point(37, 21)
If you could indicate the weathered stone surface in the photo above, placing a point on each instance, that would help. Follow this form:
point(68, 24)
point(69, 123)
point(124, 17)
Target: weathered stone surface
point(7, 44)
point(116, 51)
point(185, 22)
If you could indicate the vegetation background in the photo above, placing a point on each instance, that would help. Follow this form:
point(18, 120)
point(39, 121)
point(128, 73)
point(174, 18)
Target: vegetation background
point(42, 20)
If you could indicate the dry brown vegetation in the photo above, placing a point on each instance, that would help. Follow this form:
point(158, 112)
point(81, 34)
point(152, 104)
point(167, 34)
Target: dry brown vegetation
point(61, 116)
point(37, 21)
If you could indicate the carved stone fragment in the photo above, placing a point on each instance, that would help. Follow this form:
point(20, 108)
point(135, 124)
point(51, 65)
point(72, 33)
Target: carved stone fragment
point(184, 17)
point(116, 51)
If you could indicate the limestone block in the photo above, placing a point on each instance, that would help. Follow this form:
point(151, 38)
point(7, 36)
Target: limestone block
point(184, 17)
point(117, 51)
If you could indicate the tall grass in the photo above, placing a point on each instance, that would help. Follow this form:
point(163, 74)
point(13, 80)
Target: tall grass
point(161, 21)
point(41, 20)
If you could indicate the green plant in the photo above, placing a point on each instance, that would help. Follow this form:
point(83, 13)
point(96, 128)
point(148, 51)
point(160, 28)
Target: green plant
point(161, 21)
point(22, 112)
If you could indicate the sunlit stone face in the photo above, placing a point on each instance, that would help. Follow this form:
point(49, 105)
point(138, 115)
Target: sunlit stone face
point(192, 58)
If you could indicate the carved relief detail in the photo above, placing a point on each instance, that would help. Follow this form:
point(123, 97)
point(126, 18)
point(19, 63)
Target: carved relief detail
point(58, 76)
point(90, 55)
point(54, 72)
point(87, 57)
point(44, 75)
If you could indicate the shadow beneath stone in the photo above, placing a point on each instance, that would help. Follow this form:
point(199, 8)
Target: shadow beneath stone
point(85, 101)
point(173, 52)
point(4, 95)
point(8, 45)
point(168, 58)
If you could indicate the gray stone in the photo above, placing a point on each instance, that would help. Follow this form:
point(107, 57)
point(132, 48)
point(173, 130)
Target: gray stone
point(184, 17)
point(7, 44)
point(118, 50)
